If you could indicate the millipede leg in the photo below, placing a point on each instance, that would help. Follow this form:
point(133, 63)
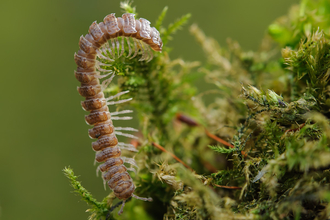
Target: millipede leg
point(125, 129)
point(99, 54)
point(129, 47)
point(148, 53)
point(122, 208)
point(113, 48)
point(122, 46)
point(151, 55)
point(143, 51)
point(106, 82)
point(136, 49)
point(133, 149)
point(125, 145)
point(104, 182)
point(132, 169)
point(129, 147)
point(101, 69)
point(121, 112)
point(117, 95)
point(103, 76)
point(121, 118)
point(107, 47)
point(126, 135)
point(97, 171)
point(98, 65)
point(130, 161)
point(117, 44)
point(105, 51)
point(141, 198)
point(119, 102)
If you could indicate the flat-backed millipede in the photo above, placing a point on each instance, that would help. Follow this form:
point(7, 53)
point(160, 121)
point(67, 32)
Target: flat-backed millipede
point(140, 37)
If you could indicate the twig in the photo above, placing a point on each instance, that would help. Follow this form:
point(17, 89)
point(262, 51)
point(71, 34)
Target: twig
point(180, 161)
point(175, 157)
point(295, 129)
point(218, 139)
point(186, 120)
point(228, 187)
point(222, 141)
point(192, 123)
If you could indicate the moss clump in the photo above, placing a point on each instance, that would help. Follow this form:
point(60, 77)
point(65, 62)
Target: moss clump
point(260, 150)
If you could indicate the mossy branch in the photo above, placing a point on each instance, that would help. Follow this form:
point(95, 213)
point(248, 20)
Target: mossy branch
point(160, 19)
point(127, 7)
point(222, 150)
point(173, 27)
point(98, 209)
point(85, 195)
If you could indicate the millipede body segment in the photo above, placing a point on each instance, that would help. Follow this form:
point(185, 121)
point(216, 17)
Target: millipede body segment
point(106, 41)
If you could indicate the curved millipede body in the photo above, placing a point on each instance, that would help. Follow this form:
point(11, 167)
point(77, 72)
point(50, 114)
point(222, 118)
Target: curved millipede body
point(103, 42)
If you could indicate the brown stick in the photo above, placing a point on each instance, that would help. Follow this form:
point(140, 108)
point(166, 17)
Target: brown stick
point(191, 122)
point(188, 167)
point(218, 139)
point(186, 120)
point(222, 141)
point(228, 187)
point(296, 129)
point(173, 155)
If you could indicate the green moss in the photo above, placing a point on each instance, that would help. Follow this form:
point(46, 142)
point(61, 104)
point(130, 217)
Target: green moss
point(273, 110)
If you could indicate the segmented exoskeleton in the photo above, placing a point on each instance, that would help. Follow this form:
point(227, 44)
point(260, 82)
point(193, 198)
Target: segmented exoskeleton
point(139, 37)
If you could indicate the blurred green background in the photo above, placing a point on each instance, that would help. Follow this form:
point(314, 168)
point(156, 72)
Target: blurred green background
point(43, 126)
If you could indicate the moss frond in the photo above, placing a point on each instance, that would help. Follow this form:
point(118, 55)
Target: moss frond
point(98, 209)
point(222, 150)
point(160, 19)
point(173, 27)
point(127, 7)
